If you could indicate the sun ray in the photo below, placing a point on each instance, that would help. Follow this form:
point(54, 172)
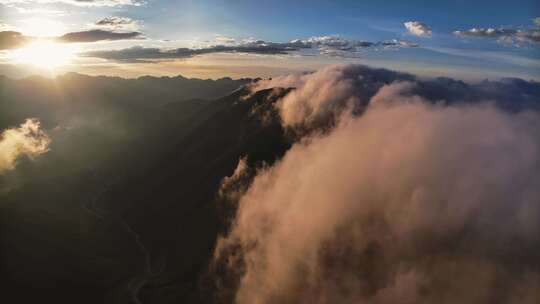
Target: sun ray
point(45, 54)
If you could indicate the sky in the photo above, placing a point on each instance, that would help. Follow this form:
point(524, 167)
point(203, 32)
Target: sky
point(470, 40)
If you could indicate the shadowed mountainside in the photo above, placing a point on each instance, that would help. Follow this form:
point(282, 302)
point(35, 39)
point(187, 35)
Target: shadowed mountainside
point(73, 218)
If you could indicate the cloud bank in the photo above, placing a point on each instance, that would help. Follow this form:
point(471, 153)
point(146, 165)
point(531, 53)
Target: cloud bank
point(414, 201)
point(504, 35)
point(320, 97)
point(418, 28)
point(28, 139)
point(323, 95)
point(98, 35)
point(327, 45)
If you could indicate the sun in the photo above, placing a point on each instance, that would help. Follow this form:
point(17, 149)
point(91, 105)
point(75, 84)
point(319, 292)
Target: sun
point(45, 54)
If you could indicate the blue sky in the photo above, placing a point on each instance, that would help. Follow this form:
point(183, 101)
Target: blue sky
point(168, 24)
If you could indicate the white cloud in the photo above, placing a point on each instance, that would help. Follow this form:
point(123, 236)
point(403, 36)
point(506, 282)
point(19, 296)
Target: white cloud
point(79, 2)
point(418, 28)
point(223, 40)
point(28, 139)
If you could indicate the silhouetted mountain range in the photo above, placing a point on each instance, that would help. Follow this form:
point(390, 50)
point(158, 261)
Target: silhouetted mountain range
point(147, 163)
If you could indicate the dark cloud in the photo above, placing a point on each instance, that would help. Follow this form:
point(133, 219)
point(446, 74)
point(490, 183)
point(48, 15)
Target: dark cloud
point(114, 21)
point(334, 42)
point(98, 35)
point(12, 40)
point(138, 53)
point(329, 45)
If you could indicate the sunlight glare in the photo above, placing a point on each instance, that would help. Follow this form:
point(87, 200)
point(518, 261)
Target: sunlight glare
point(40, 27)
point(45, 54)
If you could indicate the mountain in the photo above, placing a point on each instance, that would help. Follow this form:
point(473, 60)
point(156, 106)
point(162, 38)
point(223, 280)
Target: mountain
point(143, 176)
point(54, 99)
point(140, 215)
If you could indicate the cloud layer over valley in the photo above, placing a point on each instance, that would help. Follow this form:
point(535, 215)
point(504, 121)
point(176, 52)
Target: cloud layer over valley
point(416, 198)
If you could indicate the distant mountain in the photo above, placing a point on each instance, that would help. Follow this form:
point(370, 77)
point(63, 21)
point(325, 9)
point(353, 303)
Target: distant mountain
point(50, 99)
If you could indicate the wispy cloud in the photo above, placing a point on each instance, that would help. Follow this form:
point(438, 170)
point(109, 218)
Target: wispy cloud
point(80, 2)
point(28, 139)
point(499, 57)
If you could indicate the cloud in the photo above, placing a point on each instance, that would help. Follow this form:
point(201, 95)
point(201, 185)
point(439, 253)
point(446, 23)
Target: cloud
point(138, 53)
point(28, 139)
point(536, 21)
point(327, 45)
point(321, 96)
point(110, 3)
point(12, 40)
point(332, 45)
point(234, 186)
point(395, 43)
point(486, 32)
point(223, 40)
point(414, 201)
point(509, 36)
point(418, 28)
point(118, 23)
point(98, 35)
